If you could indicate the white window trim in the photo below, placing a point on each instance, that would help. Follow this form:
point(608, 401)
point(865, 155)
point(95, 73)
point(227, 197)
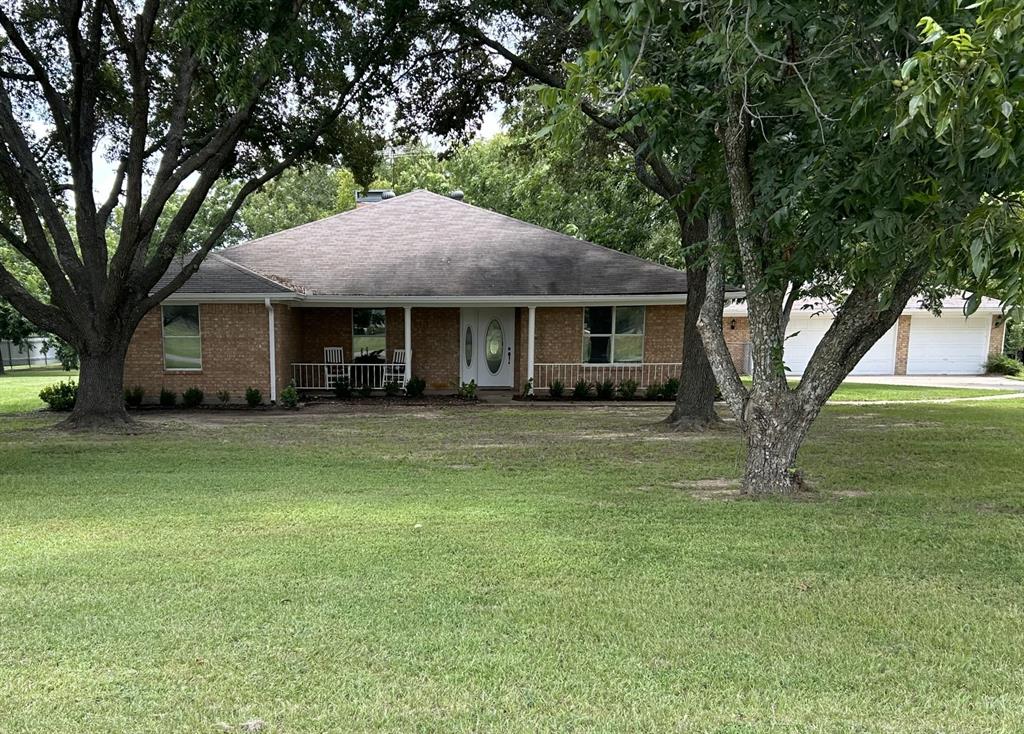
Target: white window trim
point(352, 330)
point(163, 339)
point(642, 334)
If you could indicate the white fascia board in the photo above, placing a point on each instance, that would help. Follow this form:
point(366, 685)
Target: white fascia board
point(232, 297)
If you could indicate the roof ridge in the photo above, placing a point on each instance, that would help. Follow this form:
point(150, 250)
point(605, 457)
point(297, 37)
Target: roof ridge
point(250, 271)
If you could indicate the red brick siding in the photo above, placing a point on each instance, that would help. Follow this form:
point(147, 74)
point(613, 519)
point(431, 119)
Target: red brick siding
point(663, 333)
point(737, 334)
point(235, 353)
point(435, 346)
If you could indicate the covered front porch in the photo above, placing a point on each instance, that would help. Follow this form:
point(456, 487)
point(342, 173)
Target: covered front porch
point(494, 345)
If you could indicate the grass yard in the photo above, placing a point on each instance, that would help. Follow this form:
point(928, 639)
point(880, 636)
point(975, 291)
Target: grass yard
point(511, 569)
point(19, 388)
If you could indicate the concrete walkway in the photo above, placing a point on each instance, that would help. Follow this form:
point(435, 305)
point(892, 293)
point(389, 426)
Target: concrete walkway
point(992, 382)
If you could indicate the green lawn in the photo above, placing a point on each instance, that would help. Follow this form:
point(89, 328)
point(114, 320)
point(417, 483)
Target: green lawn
point(511, 569)
point(19, 389)
point(872, 392)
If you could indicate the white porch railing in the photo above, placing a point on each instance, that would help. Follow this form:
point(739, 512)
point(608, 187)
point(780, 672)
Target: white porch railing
point(323, 376)
point(569, 373)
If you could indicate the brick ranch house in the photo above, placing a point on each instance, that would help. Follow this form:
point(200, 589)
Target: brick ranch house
point(416, 285)
point(425, 285)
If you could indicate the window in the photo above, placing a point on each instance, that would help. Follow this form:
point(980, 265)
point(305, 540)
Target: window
point(613, 334)
point(368, 331)
point(183, 345)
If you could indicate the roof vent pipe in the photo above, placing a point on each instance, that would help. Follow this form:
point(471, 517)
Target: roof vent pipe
point(456, 194)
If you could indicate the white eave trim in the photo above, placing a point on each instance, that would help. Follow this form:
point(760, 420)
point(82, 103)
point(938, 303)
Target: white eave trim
point(298, 299)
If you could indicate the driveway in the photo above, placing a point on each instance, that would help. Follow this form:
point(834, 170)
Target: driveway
point(994, 382)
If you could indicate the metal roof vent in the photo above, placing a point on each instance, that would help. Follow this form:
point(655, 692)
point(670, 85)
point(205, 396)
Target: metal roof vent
point(456, 194)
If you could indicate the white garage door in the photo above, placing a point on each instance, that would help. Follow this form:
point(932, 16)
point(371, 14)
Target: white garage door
point(806, 331)
point(951, 345)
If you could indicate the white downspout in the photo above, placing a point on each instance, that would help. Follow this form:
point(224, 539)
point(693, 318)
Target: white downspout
point(273, 349)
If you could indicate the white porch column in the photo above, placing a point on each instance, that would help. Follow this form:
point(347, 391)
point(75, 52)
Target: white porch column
point(531, 335)
point(272, 333)
point(408, 344)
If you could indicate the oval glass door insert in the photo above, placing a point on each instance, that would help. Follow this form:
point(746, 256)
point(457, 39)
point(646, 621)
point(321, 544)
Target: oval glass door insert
point(494, 346)
point(469, 346)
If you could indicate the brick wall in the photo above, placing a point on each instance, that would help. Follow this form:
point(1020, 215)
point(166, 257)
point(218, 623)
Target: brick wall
point(663, 333)
point(435, 346)
point(902, 344)
point(737, 335)
point(998, 337)
point(235, 353)
point(287, 336)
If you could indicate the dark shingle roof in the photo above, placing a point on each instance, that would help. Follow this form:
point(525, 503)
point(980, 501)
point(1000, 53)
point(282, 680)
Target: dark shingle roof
point(424, 244)
point(219, 275)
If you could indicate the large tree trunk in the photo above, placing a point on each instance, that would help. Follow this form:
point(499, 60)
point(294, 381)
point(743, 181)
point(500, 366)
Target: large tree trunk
point(100, 405)
point(774, 434)
point(695, 404)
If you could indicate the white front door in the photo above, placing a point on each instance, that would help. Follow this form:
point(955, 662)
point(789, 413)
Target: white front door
point(487, 350)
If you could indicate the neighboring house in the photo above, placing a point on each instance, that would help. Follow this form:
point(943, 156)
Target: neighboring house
point(418, 284)
point(918, 344)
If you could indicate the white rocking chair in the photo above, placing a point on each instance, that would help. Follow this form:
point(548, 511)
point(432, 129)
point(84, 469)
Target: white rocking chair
point(394, 371)
point(334, 366)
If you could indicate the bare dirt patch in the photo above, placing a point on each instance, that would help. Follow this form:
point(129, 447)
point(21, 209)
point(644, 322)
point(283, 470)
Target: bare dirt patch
point(721, 489)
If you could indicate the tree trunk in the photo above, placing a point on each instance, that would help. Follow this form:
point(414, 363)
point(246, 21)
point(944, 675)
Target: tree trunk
point(695, 404)
point(100, 405)
point(774, 435)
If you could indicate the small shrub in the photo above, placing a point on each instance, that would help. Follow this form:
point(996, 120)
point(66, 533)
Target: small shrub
point(365, 391)
point(528, 389)
point(290, 397)
point(627, 389)
point(605, 390)
point(670, 389)
point(60, 396)
point(224, 397)
point(342, 388)
point(192, 398)
point(556, 389)
point(253, 397)
point(581, 391)
point(415, 387)
point(168, 398)
point(653, 391)
point(1000, 364)
point(133, 396)
point(467, 390)
point(392, 388)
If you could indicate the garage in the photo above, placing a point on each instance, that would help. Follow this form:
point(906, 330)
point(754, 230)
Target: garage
point(804, 333)
point(952, 345)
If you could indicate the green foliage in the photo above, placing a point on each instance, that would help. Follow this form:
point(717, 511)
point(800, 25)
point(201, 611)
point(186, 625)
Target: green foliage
point(253, 397)
point(223, 397)
point(392, 388)
point(1000, 364)
point(627, 389)
point(13, 326)
point(415, 387)
point(65, 353)
point(60, 396)
point(528, 389)
point(168, 398)
point(192, 397)
point(342, 388)
point(653, 391)
point(467, 390)
point(581, 391)
point(365, 391)
point(605, 390)
point(290, 396)
point(670, 389)
point(133, 396)
point(556, 389)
